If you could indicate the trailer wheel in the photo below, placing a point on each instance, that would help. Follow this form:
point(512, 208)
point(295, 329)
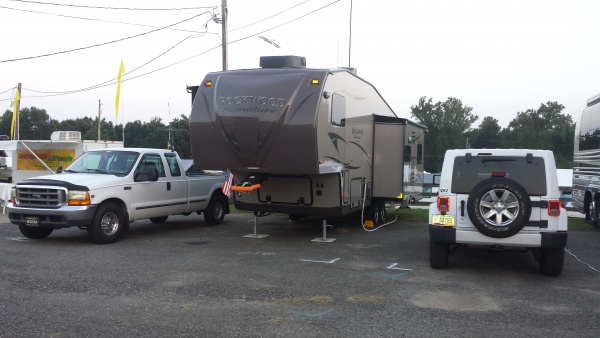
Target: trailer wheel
point(108, 224)
point(381, 211)
point(215, 212)
point(35, 233)
point(295, 217)
point(372, 213)
point(161, 219)
point(592, 214)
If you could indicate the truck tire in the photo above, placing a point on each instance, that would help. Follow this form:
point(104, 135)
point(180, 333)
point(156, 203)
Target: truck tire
point(35, 233)
point(499, 207)
point(108, 224)
point(438, 254)
point(161, 219)
point(215, 212)
point(551, 261)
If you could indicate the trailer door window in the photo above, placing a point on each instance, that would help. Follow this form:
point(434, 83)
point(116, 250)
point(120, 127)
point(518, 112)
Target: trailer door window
point(407, 154)
point(338, 110)
point(419, 154)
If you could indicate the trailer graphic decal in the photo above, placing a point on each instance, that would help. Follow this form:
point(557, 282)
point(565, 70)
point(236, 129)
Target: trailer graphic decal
point(335, 139)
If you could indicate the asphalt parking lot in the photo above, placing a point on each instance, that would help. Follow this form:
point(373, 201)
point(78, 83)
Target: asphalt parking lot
point(184, 278)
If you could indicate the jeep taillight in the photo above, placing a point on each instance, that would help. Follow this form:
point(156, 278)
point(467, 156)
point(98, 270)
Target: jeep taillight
point(554, 208)
point(443, 204)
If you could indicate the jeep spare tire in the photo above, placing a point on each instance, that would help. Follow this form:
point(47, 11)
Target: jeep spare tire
point(499, 207)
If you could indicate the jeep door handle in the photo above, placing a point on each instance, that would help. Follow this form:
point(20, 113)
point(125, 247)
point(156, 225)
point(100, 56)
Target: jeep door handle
point(462, 208)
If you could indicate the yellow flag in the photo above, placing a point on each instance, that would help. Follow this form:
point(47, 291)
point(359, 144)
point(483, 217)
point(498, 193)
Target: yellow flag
point(14, 116)
point(121, 71)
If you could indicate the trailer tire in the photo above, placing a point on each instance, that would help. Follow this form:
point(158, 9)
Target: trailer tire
point(295, 217)
point(35, 233)
point(215, 212)
point(108, 224)
point(438, 254)
point(161, 219)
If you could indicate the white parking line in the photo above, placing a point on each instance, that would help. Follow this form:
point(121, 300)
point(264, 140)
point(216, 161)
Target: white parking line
point(393, 266)
point(326, 262)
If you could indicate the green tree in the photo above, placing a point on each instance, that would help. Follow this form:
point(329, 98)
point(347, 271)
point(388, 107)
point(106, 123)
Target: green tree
point(487, 135)
point(544, 128)
point(446, 122)
point(180, 131)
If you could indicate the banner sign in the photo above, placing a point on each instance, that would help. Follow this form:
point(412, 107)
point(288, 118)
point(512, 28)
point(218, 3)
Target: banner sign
point(52, 158)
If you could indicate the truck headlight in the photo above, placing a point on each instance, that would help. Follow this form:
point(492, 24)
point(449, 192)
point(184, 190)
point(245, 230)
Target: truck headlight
point(78, 198)
point(13, 195)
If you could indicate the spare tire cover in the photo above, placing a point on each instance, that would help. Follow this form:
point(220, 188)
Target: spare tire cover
point(499, 207)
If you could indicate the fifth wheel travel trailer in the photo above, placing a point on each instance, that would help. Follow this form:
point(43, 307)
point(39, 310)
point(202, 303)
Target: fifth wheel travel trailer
point(306, 142)
point(585, 197)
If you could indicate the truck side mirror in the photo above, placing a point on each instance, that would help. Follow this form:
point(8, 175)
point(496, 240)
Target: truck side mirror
point(59, 169)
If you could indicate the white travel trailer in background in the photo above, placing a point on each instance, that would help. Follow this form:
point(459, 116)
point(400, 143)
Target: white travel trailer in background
point(585, 197)
point(306, 142)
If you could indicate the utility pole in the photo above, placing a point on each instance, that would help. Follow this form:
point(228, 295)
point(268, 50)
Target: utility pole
point(17, 112)
point(99, 113)
point(224, 32)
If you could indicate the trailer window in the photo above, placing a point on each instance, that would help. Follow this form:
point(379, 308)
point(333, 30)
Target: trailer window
point(338, 110)
point(419, 154)
point(407, 150)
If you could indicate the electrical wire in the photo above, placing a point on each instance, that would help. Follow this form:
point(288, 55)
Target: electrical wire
point(113, 80)
point(104, 84)
point(8, 90)
point(580, 261)
point(99, 20)
point(362, 213)
point(100, 7)
point(269, 17)
point(104, 43)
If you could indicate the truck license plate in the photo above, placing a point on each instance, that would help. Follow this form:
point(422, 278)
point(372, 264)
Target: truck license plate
point(32, 221)
point(445, 220)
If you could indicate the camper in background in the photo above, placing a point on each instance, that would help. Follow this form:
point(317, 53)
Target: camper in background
point(306, 142)
point(585, 197)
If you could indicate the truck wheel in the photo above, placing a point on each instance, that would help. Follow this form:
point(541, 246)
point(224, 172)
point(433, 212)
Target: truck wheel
point(215, 212)
point(35, 233)
point(438, 254)
point(551, 261)
point(161, 219)
point(499, 207)
point(107, 225)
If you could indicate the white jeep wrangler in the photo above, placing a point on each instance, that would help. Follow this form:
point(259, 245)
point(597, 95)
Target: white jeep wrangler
point(499, 198)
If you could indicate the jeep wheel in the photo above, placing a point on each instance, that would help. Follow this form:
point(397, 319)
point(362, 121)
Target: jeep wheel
point(35, 233)
point(215, 212)
point(551, 261)
point(499, 207)
point(108, 224)
point(438, 254)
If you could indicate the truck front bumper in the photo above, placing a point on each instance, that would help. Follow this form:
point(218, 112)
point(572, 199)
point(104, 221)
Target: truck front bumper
point(63, 217)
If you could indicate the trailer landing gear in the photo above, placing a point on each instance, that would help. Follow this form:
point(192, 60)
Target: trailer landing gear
point(324, 239)
point(255, 235)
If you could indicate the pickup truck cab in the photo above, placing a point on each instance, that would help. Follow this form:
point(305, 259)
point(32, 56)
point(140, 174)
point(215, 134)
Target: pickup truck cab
point(104, 190)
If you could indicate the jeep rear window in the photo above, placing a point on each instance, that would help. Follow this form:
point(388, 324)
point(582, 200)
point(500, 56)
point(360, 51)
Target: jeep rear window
point(466, 175)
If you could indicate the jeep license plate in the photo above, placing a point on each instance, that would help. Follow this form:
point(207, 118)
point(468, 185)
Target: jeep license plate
point(32, 221)
point(445, 220)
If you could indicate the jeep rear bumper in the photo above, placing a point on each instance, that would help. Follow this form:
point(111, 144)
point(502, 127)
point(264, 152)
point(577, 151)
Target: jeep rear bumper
point(450, 235)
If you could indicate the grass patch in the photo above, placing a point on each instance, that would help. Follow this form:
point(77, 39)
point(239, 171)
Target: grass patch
point(410, 215)
point(579, 224)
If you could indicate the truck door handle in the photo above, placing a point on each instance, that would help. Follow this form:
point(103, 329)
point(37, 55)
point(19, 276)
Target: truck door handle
point(168, 185)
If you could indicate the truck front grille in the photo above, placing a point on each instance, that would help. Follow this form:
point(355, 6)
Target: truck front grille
point(40, 197)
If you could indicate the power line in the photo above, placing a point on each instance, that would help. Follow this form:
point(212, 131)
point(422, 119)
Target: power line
point(269, 17)
point(104, 84)
point(101, 7)
point(93, 19)
point(8, 90)
point(102, 44)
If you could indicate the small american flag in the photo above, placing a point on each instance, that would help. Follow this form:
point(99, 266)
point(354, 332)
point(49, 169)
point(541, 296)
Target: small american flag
point(227, 183)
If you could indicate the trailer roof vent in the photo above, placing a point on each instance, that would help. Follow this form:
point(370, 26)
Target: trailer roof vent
point(282, 61)
point(66, 136)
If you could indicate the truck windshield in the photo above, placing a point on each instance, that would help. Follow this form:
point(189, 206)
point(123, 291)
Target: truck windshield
point(117, 163)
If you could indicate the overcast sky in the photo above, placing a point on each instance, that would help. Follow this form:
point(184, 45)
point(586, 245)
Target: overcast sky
point(500, 57)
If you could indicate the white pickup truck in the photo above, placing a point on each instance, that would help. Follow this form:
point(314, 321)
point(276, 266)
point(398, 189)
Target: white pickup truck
point(105, 190)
